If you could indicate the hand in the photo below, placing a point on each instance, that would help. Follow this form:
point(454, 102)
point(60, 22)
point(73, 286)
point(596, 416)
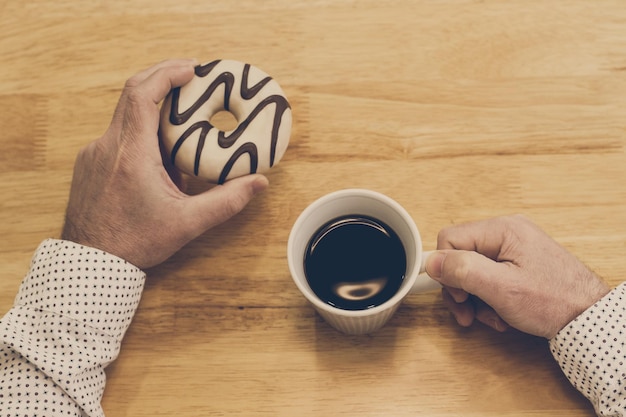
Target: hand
point(125, 201)
point(508, 272)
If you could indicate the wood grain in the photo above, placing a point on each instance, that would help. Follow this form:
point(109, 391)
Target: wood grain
point(458, 109)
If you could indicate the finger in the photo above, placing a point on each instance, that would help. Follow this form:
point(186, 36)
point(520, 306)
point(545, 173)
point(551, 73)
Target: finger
point(486, 237)
point(215, 206)
point(459, 295)
point(160, 81)
point(488, 316)
point(463, 312)
point(142, 76)
point(146, 73)
point(468, 271)
point(141, 116)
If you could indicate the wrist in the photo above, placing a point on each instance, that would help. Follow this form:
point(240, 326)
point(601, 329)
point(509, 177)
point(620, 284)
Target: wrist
point(590, 295)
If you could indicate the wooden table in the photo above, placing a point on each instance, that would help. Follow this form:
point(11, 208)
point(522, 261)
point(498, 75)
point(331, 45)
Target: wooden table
point(460, 110)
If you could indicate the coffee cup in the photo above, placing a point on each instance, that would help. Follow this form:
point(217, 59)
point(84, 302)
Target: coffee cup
point(358, 219)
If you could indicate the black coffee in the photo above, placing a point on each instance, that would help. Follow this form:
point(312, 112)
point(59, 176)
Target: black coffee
point(355, 262)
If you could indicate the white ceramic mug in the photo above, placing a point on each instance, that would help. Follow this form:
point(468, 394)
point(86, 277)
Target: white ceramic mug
point(366, 203)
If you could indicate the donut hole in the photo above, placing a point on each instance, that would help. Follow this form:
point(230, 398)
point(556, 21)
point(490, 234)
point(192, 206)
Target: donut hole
point(224, 121)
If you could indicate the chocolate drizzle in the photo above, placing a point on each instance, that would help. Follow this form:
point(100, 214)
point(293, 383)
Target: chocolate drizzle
point(226, 141)
point(226, 78)
point(249, 93)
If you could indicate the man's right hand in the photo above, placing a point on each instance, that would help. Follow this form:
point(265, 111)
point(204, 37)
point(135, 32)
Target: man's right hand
point(508, 272)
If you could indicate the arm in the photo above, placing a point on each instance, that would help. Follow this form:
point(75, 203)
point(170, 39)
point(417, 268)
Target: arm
point(591, 351)
point(65, 327)
point(127, 211)
point(507, 272)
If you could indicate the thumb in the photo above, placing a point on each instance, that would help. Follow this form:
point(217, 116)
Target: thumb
point(467, 270)
point(222, 202)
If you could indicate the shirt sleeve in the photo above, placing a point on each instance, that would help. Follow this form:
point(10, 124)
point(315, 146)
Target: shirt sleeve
point(591, 352)
point(66, 325)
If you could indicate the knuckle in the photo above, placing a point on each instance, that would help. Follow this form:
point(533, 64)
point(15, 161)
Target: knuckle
point(132, 82)
point(443, 237)
point(84, 151)
point(459, 266)
point(133, 95)
point(519, 218)
point(463, 267)
point(87, 153)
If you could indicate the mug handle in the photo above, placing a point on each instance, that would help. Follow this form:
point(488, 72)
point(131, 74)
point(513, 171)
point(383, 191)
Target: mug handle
point(424, 283)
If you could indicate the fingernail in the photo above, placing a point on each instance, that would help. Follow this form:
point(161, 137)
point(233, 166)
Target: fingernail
point(434, 264)
point(499, 324)
point(260, 184)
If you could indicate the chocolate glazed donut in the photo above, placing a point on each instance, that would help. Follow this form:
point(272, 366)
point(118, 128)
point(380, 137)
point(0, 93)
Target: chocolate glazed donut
point(258, 142)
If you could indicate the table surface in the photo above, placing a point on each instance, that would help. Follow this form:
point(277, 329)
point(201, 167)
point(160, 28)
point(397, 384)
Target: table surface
point(460, 110)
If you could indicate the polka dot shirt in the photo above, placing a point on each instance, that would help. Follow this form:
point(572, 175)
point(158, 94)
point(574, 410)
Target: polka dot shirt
point(66, 326)
point(591, 351)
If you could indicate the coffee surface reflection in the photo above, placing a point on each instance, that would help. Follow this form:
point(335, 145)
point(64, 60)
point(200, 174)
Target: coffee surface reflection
point(355, 262)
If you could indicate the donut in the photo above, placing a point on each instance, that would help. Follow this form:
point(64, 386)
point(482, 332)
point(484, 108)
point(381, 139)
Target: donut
point(255, 99)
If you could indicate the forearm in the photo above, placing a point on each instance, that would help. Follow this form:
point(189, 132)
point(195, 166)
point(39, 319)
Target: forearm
point(69, 318)
point(591, 350)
